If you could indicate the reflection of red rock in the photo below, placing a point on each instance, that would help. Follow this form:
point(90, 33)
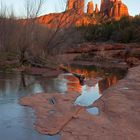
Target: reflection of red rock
point(73, 84)
point(86, 72)
point(103, 85)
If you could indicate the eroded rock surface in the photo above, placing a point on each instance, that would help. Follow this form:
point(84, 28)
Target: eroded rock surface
point(119, 114)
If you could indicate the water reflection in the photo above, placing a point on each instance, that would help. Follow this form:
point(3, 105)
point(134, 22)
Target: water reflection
point(17, 122)
point(93, 110)
point(15, 118)
point(88, 95)
point(107, 82)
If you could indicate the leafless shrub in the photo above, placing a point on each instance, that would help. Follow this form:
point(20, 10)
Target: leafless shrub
point(34, 43)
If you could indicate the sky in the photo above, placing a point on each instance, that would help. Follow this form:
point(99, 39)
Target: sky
point(51, 6)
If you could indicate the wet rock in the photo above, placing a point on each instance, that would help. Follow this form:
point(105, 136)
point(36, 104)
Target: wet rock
point(119, 118)
point(51, 118)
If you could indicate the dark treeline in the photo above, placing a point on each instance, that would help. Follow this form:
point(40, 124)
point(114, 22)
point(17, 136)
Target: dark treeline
point(126, 30)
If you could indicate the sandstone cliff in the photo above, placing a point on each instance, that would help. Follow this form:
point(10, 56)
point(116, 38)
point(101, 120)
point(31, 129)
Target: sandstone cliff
point(114, 9)
point(90, 7)
point(74, 15)
point(96, 9)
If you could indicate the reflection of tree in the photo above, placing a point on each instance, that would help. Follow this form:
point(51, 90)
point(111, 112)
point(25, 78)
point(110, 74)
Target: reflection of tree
point(8, 85)
point(26, 81)
point(22, 80)
point(2, 87)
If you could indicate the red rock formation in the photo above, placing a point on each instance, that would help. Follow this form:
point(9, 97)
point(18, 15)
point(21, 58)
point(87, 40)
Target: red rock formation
point(90, 7)
point(105, 6)
point(73, 15)
point(80, 6)
point(59, 19)
point(71, 4)
point(123, 10)
point(96, 8)
point(114, 8)
point(77, 5)
point(101, 6)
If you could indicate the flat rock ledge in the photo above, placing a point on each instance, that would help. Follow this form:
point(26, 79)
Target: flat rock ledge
point(119, 117)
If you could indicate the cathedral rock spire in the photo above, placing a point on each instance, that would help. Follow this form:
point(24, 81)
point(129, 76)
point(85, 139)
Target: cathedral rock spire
point(80, 6)
point(77, 5)
point(114, 8)
point(71, 4)
point(96, 8)
point(109, 9)
point(90, 7)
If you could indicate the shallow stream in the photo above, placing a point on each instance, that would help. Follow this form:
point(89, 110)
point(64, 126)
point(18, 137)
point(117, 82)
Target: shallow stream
point(17, 122)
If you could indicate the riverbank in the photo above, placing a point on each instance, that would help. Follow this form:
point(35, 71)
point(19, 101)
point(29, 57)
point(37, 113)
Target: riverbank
point(118, 119)
point(102, 55)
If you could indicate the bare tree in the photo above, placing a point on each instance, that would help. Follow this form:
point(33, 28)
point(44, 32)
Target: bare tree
point(27, 32)
point(33, 43)
point(64, 30)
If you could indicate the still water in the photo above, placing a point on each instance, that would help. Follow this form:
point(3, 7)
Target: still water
point(17, 122)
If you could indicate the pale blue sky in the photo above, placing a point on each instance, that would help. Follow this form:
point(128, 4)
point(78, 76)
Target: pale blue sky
point(51, 6)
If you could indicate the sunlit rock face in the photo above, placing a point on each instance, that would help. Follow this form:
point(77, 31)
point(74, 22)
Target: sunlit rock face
point(56, 20)
point(96, 9)
point(74, 15)
point(77, 5)
point(71, 4)
point(114, 9)
point(90, 7)
point(123, 10)
point(80, 6)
